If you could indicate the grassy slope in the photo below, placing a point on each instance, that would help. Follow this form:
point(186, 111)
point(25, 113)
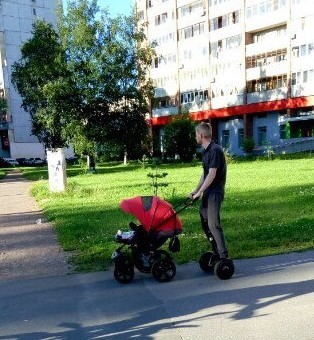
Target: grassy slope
point(268, 208)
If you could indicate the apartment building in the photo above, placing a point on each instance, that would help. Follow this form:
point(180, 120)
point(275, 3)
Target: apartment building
point(247, 66)
point(16, 19)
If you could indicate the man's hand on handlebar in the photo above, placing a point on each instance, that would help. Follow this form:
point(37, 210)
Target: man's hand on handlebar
point(194, 196)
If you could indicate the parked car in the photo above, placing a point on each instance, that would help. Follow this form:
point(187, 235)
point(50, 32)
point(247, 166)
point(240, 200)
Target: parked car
point(3, 163)
point(11, 161)
point(39, 161)
point(21, 161)
point(30, 161)
point(33, 161)
point(72, 160)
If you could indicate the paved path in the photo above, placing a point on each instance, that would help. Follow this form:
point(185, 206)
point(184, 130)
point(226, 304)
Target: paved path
point(269, 298)
point(28, 244)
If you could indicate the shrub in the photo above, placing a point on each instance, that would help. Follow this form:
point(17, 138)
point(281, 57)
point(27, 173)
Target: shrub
point(248, 144)
point(179, 138)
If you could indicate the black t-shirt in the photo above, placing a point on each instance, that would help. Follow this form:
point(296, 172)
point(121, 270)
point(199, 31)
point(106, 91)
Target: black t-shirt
point(213, 157)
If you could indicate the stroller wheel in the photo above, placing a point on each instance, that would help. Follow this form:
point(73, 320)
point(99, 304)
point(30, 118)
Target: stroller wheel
point(224, 269)
point(207, 261)
point(163, 269)
point(123, 270)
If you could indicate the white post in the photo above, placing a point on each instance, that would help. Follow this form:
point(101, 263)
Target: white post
point(56, 170)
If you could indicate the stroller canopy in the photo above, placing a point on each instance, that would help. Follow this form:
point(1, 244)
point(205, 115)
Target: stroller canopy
point(153, 213)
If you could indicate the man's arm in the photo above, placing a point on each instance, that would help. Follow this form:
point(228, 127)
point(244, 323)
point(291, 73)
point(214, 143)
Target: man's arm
point(206, 183)
point(201, 181)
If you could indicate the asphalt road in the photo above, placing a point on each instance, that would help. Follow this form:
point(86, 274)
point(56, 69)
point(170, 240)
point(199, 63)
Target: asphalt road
point(267, 298)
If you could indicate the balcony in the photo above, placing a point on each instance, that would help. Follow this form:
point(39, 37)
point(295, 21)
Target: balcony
point(227, 101)
point(197, 15)
point(300, 90)
point(267, 46)
point(165, 111)
point(202, 105)
point(269, 70)
point(302, 63)
point(268, 95)
point(272, 19)
point(227, 31)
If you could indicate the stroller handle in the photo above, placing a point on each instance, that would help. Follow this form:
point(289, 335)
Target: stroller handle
point(184, 204)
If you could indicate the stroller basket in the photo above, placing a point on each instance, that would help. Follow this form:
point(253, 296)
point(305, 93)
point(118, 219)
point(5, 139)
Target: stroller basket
point(124, 237)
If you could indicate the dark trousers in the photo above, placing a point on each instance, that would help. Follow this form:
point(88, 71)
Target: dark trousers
point(210, 218)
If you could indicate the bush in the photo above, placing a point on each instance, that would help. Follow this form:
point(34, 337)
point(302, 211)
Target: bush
point(248, 144)
point(179, 138)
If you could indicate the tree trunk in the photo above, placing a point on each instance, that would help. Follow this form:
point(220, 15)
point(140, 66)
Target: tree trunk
point(91, 163)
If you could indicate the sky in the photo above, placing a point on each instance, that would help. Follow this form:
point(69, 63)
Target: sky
point(117, 6)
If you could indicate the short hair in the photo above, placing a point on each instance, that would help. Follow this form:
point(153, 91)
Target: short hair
point(205, 129)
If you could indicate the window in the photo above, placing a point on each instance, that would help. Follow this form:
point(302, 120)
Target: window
point(225, 20)
point(194, 97)
point(262, 135)
point(304, 76)
point(198, 29)
point(264, 8)
point(188, 32)
point(156, 62)
point(164, 18)
point(141, 15)
point(160, 19)
point(302, 50)
point(191, 31)
point(270, 83)
point(225, 139)
point(240, 137)
point(191, 9)
point(311, 76)
point(281, 81)
point(293, 79)
point(295, 51)
point(282, 131)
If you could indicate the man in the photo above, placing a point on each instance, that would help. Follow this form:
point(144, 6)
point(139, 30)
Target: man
point(211, 187)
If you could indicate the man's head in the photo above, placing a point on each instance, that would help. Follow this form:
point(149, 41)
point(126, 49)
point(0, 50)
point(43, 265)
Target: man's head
point(203, 133)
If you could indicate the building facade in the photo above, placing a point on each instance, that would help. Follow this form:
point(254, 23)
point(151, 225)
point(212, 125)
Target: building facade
point(16, 19)
point(247, 66)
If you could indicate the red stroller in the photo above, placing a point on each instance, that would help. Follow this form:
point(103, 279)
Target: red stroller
point(158, 223)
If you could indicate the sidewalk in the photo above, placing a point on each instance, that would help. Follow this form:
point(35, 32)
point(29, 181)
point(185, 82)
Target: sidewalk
point(28, 243)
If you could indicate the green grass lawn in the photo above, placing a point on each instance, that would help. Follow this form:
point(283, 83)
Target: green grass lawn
point(268, 208)
point(2, 173)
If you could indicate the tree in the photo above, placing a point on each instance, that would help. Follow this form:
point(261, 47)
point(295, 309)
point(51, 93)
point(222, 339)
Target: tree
point(87, 83)
point(41, 67)
point(109, 67)
point(179, 138)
